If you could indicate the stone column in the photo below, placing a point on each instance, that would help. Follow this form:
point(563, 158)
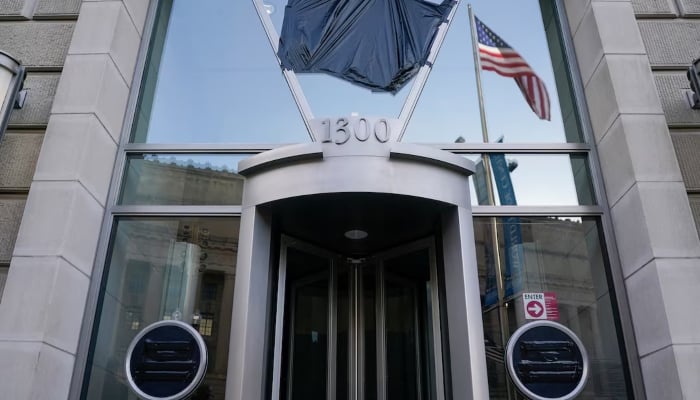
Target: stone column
point(51, 267)
point(658, 244)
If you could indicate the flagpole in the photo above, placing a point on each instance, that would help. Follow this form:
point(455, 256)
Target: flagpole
point(502, 312)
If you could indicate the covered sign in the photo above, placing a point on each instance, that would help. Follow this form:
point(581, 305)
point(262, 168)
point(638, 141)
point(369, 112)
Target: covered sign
point(378, 44)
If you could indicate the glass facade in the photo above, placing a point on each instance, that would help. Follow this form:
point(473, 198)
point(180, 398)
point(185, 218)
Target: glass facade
point(179, 268)
point(212, 94)
point(565, 259)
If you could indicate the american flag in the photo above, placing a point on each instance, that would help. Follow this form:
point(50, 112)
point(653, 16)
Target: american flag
point(496, 55)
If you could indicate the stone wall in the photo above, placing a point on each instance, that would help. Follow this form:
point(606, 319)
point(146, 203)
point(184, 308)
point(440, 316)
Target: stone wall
point(632, 56)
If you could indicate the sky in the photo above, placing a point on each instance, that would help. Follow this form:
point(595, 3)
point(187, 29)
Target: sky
point(220, 82)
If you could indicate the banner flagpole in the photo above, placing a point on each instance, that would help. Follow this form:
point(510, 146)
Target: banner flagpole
point(503, 313)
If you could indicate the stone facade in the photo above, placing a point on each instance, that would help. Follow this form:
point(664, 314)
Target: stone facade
point(57, 159)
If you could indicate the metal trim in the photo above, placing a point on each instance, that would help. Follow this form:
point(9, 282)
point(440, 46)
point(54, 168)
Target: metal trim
point(201, 147)
point(430, 155)
point(511, 368)
point(199, 376)
point(12, 94)
point(513, 148)
point(610, 241)
point(280, 156)
point(9, 62)
point(178, 211)
point(536, 211)
point(421, 78)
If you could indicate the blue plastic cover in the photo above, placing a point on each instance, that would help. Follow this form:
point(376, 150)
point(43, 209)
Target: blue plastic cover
point(378, 44)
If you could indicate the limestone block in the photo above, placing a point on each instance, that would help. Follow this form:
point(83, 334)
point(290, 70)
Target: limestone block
point(52, 311)
point(138, 9)
point(92, 152)
point(636, 148)
point(60, 219)
point(653, 220)
point(672, 87)
point(689, 8)
point(687, 149)
point(654, 7)
point(106, 28)
point(18, 155)
point(621, 84)
point(57, 7)
point(17, 368)
point(37, 44)
point(661, 379)
point(93, 84)
point(575, 9)
point(663, 296)
point(11, 7)
point(671, 43)
point(10, 217)
point(42, 88)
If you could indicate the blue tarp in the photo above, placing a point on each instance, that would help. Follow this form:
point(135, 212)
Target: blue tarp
point(378, 44)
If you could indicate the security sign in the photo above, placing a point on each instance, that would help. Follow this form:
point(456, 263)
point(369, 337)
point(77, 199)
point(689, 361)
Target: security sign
point(167, 360)
point(547, 361)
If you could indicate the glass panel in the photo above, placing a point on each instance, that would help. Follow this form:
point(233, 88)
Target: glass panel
point(343, 341)
point(182, 179)
point(164, 268)
point(535, 180)
point(306, 351)
point(370, 331)
point(563, 258)
point(407, 333)
point(211, 77)
point(449, 107)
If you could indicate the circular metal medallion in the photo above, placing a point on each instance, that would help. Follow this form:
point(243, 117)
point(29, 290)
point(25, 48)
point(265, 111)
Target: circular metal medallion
point(547, 361)
point(167, 360)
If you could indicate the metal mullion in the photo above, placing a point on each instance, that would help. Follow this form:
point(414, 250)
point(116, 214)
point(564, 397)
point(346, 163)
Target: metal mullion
point(147, 210)
point(221, 148)
point(279, 320)
point(360, 330)
point(514, 148)
point(536, 211)
point(416, 338)
point(435, 321)
point(332, 330)
point(380, 321)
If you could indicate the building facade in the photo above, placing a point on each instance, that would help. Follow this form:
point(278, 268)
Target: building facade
point(163, 169)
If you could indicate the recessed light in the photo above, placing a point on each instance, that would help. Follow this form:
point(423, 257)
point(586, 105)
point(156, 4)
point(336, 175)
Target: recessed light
point(356, 234)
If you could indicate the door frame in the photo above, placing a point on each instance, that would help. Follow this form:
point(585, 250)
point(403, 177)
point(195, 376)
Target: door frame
point(355, 340)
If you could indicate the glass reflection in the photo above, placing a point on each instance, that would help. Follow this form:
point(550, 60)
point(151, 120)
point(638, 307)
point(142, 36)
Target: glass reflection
point(146, 257)
point(562, 257)
point(533, 180)
point(212, 77)
point(182, 179)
